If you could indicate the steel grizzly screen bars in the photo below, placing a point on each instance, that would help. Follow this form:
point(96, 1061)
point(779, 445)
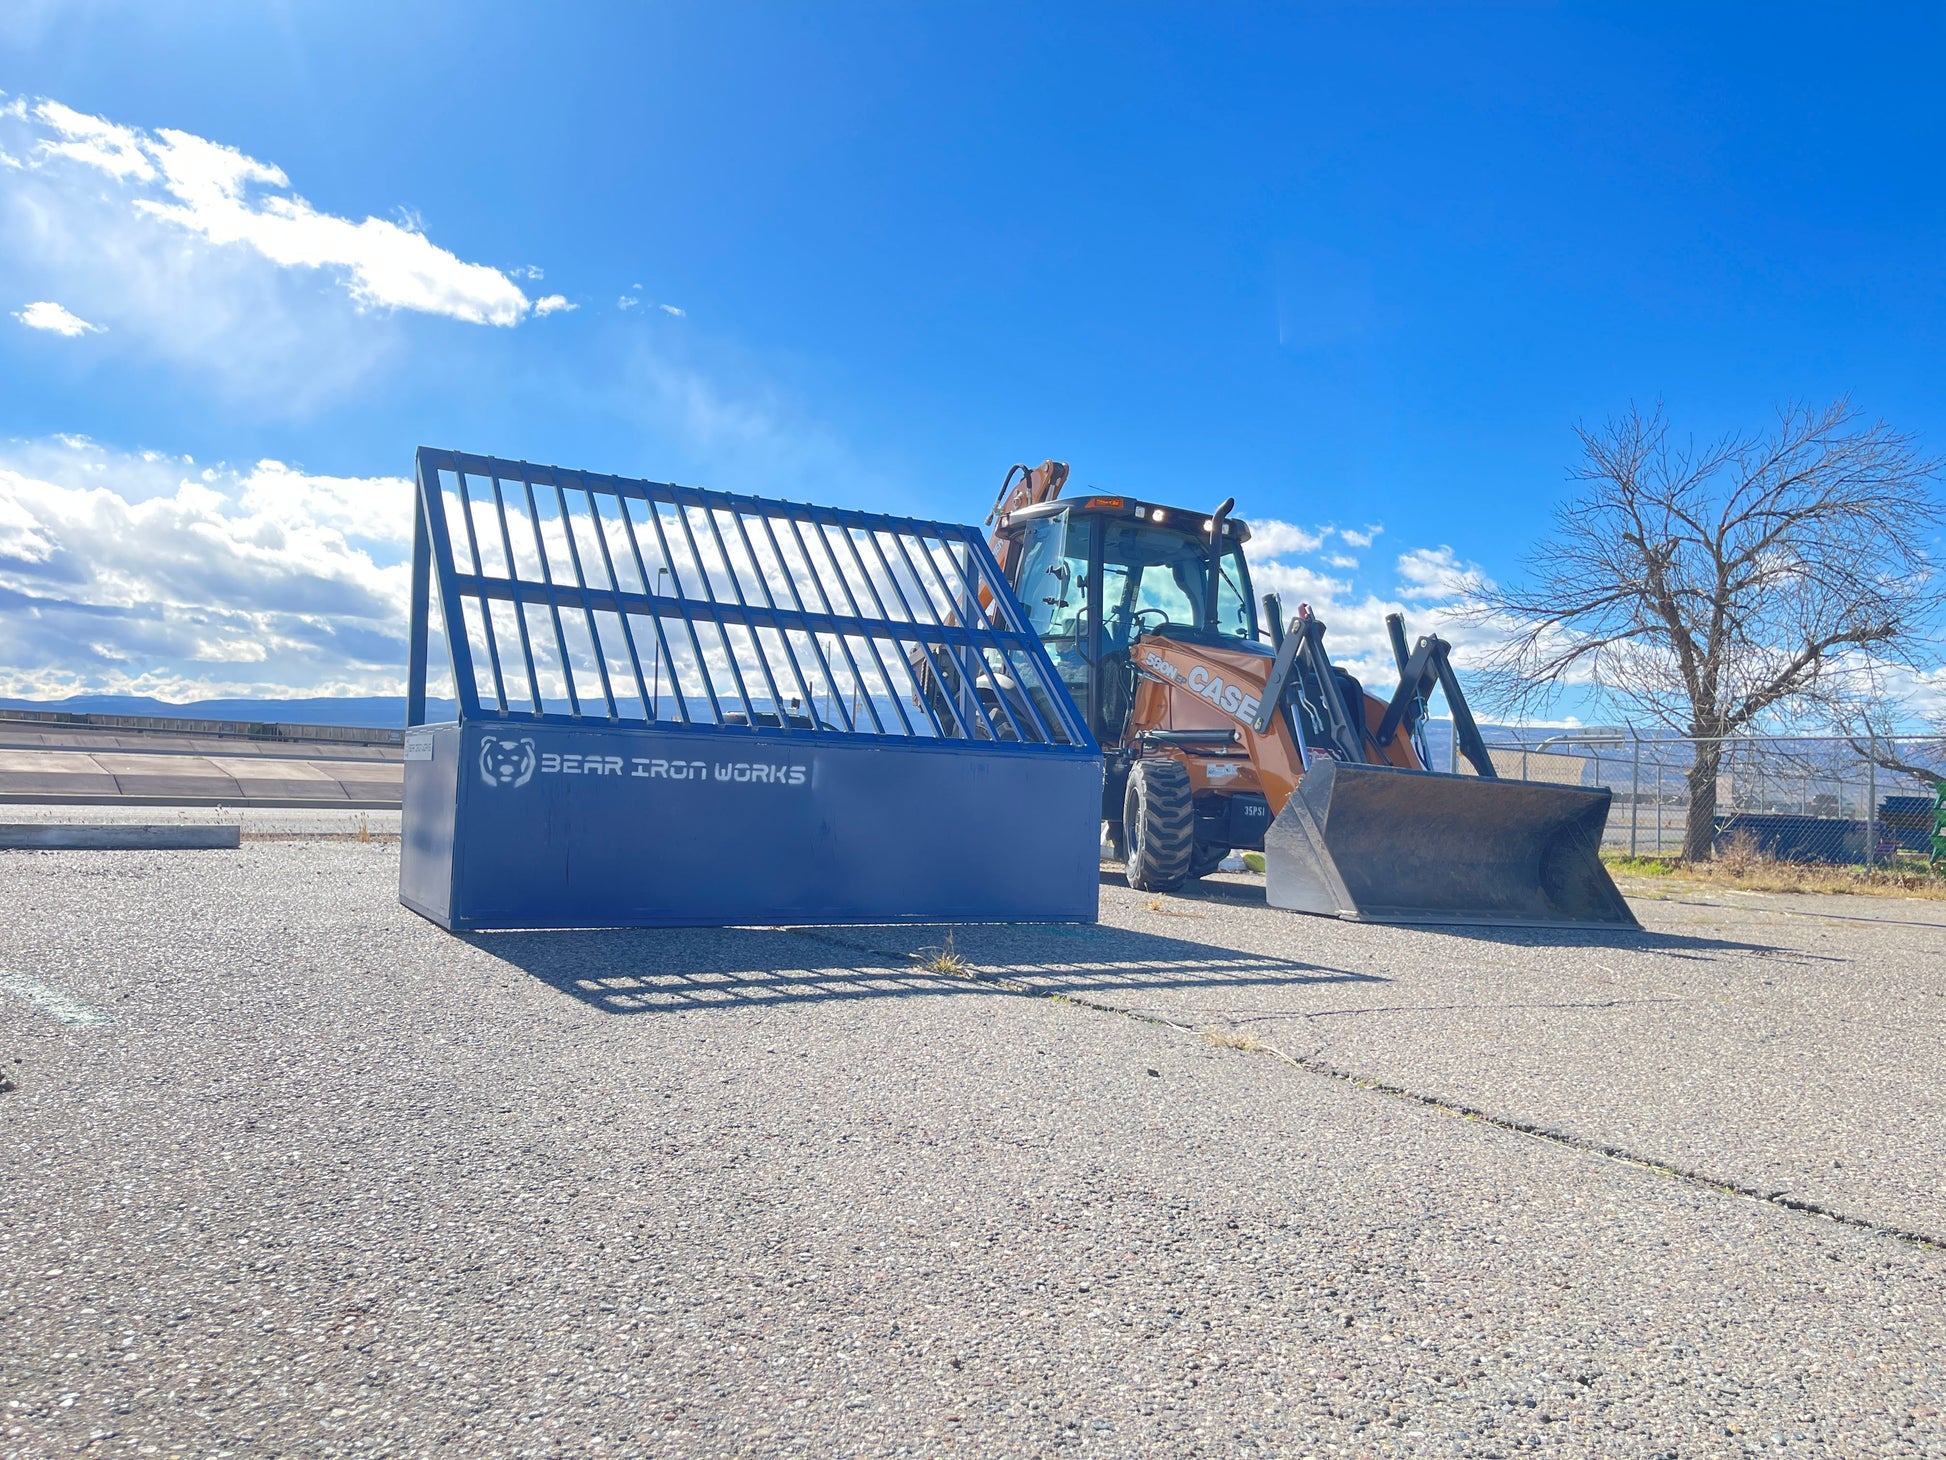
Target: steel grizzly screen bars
point(686, 707)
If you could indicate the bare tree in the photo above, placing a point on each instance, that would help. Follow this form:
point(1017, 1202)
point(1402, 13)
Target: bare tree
point(1876, 736)
point(1721, 588)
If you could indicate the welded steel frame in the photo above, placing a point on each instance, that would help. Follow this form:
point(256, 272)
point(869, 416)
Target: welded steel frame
point(930, 592)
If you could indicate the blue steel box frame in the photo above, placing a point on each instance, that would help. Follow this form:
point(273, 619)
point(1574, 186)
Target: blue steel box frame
point(687, 707)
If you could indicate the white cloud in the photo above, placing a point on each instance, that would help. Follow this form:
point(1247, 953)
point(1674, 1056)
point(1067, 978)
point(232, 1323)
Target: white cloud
point(1435, 573)
point(553, 304)
point(286, 341)
point(1295, 583)
point(528, 271)
point(141, 573)
point(1429, 587)
point(671, 309)
point(1273, 539)
point(384, 265)
point(45, 314)
point(375, 510)
point(627, 301)
point(100, 144)
point(186, 187)
point(1921, 692)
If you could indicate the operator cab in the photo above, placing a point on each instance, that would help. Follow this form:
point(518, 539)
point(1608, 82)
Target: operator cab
point(1097, 573)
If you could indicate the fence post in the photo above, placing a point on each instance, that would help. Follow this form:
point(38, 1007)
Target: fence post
point(1658, 806)
point(1634, 792)
point(1871, 804)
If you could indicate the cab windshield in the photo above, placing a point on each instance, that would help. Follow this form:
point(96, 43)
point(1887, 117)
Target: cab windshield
point(1153, 578)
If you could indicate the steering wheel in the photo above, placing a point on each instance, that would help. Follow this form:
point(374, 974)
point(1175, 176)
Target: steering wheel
point(1161, 617)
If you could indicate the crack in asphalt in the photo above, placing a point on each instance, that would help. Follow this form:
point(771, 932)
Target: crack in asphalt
point(1313, 1065)
point(1803, 912)
point(1457, 1008)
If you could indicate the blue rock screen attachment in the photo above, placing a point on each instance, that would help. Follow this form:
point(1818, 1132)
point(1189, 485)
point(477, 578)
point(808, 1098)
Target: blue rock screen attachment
point(686, 707)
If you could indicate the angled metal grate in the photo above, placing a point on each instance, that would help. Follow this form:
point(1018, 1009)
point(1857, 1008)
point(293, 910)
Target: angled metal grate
point(579, 599)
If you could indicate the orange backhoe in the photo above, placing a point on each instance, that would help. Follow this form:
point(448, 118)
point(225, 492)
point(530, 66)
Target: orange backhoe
point(1222, 733)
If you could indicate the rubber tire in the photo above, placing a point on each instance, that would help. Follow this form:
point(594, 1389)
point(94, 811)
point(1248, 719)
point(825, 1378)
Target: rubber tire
point(1159, 820)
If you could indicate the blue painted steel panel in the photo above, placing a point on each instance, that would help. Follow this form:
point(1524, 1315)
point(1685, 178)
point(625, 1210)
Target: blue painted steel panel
point(428, 815)
point(681, 707)
point(595, 827)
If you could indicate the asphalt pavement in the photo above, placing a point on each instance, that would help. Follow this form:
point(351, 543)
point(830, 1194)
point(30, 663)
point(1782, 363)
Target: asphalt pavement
point(1786, 1045)
point(290, 1171)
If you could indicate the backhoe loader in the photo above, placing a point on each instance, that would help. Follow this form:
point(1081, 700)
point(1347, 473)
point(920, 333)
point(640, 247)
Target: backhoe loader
point(1220, 732)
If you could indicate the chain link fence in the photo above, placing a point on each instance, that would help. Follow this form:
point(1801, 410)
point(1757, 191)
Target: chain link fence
point(1814, 799)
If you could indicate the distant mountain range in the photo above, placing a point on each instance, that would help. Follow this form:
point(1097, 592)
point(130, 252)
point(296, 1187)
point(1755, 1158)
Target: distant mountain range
point(383, 712)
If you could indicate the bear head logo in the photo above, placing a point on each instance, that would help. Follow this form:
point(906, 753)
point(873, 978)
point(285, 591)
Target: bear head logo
point(506, 762)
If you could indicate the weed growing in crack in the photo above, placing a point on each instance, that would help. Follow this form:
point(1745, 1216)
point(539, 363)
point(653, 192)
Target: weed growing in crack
point(1233, 1039)
point(945, 960)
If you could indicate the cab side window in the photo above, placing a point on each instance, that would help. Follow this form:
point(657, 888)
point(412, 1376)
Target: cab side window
point(1053, 587)
point(1233, 608)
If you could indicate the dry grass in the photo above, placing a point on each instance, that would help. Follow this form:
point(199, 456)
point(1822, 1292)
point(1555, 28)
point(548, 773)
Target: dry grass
point(945, 961)
point(1233, 1039)
point(1740, 856)
point(1742, 867)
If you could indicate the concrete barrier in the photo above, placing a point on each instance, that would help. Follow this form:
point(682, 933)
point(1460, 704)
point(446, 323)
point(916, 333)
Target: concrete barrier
point(99, 781)
point(170, 770)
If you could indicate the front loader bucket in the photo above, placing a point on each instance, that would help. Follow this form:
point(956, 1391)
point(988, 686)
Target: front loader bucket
point(1395, 846)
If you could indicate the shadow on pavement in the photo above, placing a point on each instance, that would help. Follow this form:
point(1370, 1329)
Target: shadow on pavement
point(648, 970)
point(1244, 893)
point(1676, 945)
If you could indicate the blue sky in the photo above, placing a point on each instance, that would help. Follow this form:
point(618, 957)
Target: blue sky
point(1359, 268)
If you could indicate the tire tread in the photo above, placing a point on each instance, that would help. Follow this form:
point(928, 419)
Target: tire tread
point(1158, 799)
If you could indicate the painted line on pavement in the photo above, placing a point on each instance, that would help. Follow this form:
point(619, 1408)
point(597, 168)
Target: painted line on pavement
point(58, 1004)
